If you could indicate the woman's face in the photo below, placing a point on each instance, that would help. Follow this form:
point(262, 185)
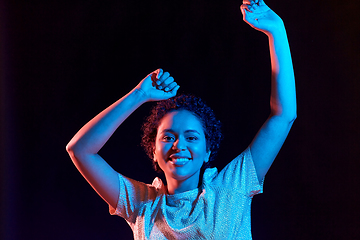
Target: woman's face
point(180, 146)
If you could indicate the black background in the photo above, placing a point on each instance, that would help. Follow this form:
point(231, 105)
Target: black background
point(62, 62)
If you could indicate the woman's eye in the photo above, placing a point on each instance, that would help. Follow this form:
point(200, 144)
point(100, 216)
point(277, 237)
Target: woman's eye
point(167, 138)
point(192, 138)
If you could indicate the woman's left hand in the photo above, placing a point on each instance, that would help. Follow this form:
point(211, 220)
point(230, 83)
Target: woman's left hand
point(259, 16)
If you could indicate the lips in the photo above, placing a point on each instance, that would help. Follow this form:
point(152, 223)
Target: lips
point(179, 160)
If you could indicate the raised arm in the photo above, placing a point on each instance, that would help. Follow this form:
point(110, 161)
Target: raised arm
point(274, 131)
point(85, 145)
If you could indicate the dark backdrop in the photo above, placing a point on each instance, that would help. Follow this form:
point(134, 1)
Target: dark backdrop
point(62, 62)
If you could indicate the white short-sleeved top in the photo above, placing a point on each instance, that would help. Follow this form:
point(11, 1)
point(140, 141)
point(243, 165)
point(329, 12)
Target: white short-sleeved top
point(220, 209)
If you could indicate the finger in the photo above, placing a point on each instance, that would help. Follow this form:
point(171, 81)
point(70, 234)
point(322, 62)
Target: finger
point(159, 73)
point(251, 4)
point(155, 75)
point(167, 81)
point(261, 2)
point(161, 82)
point(170, 87)
point(244, 9)
point(174, 90)
point(163, 77)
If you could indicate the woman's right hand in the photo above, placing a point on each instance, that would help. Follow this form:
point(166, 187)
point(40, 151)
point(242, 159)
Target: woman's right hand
point(158, 85)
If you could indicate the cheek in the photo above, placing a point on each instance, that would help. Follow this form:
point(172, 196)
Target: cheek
point(199, 150)
point(162, 148)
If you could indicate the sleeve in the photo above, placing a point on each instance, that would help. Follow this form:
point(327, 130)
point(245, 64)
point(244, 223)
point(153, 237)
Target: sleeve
point(240, 174)
point(132, 195)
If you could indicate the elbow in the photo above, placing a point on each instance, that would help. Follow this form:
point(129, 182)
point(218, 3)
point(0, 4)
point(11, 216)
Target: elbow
point(287, 119)
point(77, 150)
point(73, 152)
point(288, 113)
point(292, 118)
point(71, 148)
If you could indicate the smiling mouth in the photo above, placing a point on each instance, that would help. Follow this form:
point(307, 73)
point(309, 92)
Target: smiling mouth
point(179, 161)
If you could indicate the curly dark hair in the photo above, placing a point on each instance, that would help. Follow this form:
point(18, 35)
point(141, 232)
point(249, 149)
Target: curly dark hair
point(193, 104)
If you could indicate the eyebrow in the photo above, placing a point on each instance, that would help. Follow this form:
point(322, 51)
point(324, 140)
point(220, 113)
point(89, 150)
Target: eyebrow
point(187, 131)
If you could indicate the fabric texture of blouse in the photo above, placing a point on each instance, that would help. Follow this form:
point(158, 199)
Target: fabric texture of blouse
point(220, 209)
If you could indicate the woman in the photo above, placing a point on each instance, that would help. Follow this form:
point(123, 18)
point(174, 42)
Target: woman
point(182, 136)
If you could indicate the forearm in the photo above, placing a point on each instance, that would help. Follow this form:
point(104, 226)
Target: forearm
point(274, 131)
point(91, 137)
point(283, 94)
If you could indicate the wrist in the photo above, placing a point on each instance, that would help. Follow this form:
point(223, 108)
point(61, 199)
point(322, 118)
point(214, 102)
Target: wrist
point(277, 31)
point(139, 96)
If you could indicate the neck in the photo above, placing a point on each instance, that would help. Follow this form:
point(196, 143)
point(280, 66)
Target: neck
point(178, 186)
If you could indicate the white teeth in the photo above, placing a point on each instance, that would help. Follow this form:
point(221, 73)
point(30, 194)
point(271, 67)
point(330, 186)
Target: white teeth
point(180, 161)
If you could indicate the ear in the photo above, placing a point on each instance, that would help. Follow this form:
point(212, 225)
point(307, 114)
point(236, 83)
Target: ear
point(207, 157)
point(154, 154)
point(154, 157)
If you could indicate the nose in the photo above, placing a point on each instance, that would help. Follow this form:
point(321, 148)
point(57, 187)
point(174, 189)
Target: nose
point(179, 144)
